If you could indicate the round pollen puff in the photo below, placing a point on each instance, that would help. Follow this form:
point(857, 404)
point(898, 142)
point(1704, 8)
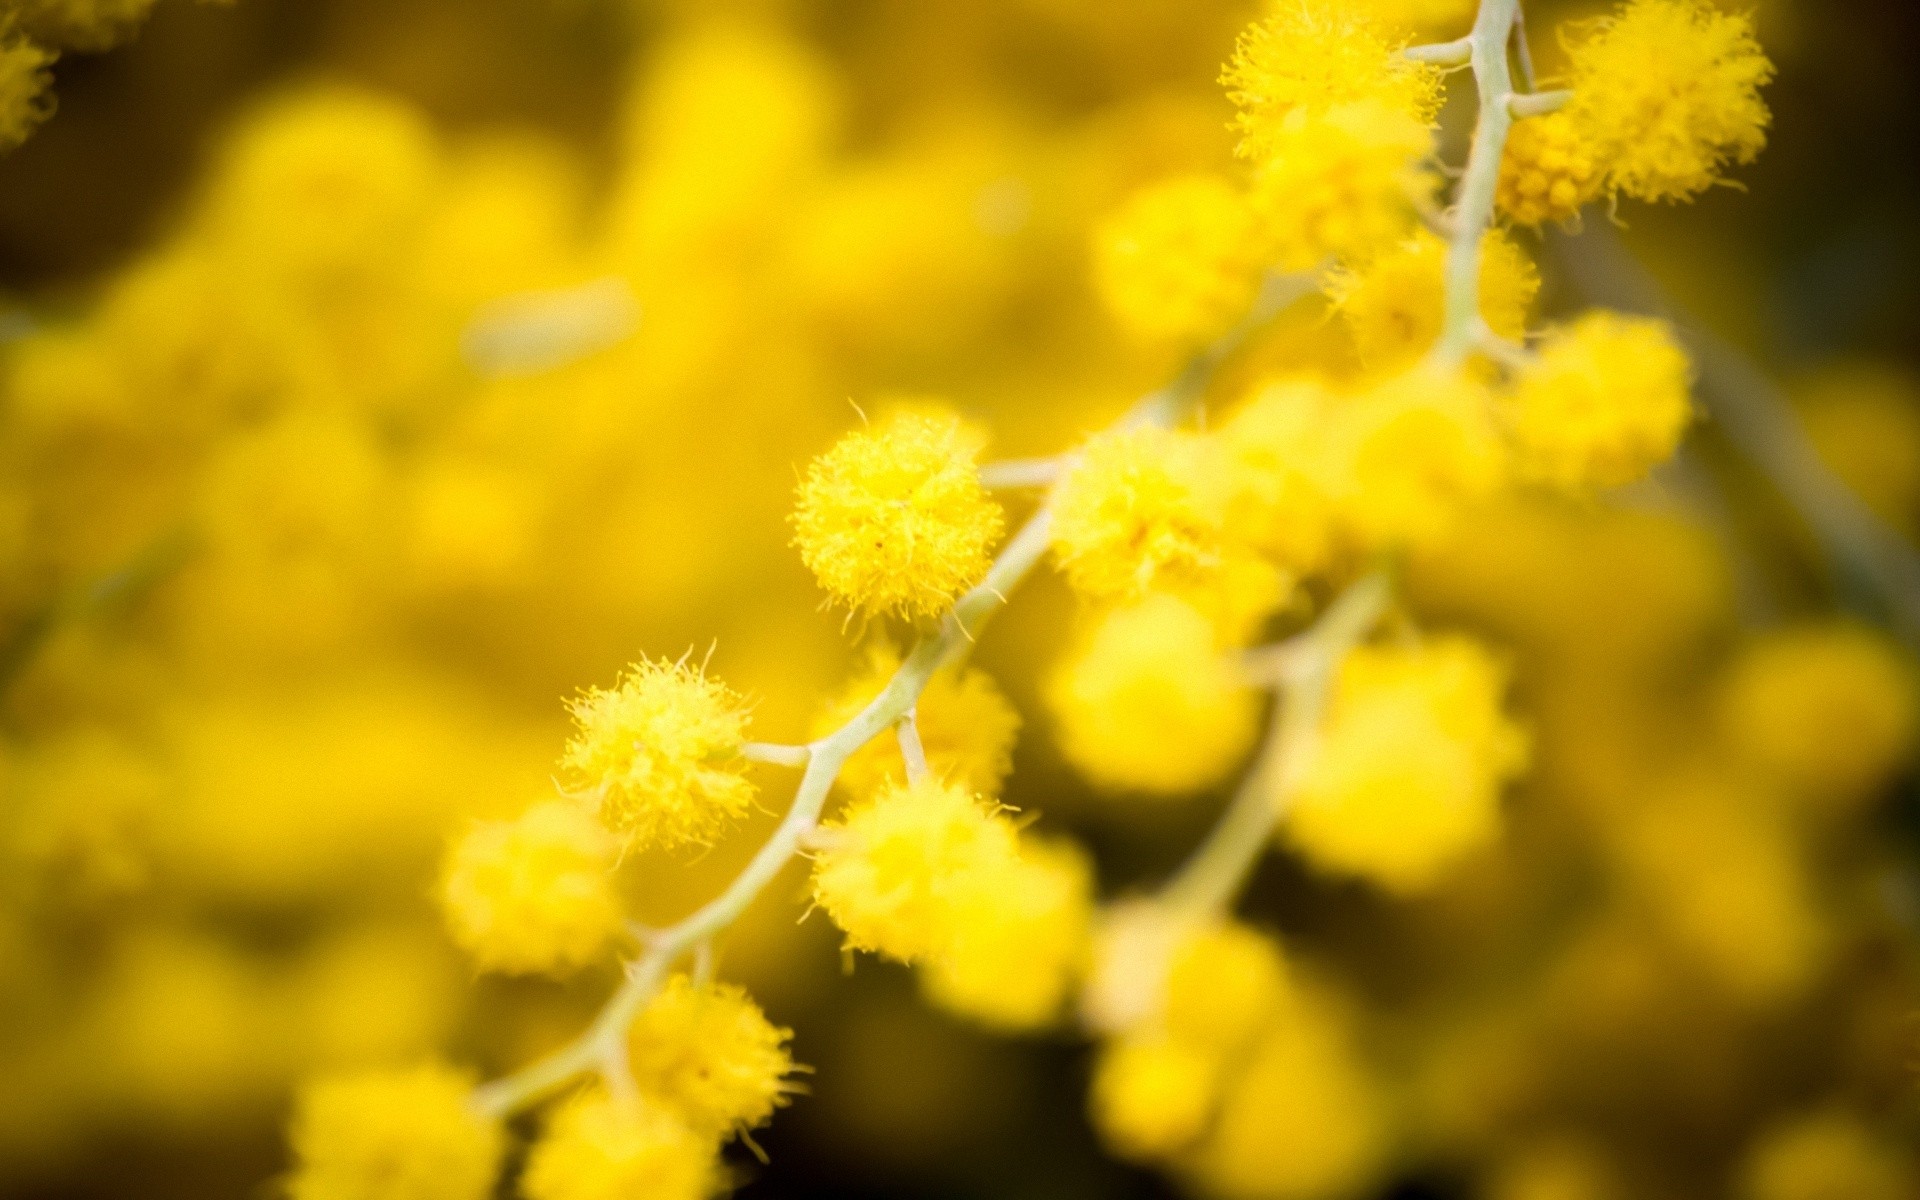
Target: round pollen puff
point(708, 1053)
point(967, 727)
point(600, 1148)
point(1152, 1096)
point(1830, 710)
point(1222, 984)
point(1277, 503)
point(1395, 303)
point(891, 872)
point(392, 1135)
point(1605, 401)
point(1405, 457)
point(1667, 94)
point(534, 894)
point(1141, 504)
point(1340, 184)
point(893, 519)
point(1177, 260)
point(1149, 702)
point(1018, 940)
point(1406, 778)
point(1306, 57)
point(1547, 173)
point(661, 754)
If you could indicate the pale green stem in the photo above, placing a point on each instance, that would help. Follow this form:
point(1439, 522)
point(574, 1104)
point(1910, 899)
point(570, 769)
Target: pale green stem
point(1457, 53)
point(1537, 104)
point(776, 754)
point(1024, 472)
point(907, 729)
point(1210, 880)
point(603, 1046)
point(1473, 211)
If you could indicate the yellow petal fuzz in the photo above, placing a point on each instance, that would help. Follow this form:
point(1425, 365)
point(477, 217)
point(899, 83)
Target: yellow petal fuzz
point(1395, 303)
point(1018, 939)
point(967, 728)
point(1278, 504)
point(1831, 711)
point(1178, 261)
point(1341, 184)
point(1149, 702)
point(893, 872)
point(392, 1135)
point(1152, 1095)
point(1406, 777)
point(1405, 457)
point(660, 754)
point(1308, 56)
point(534, 894)
point(1667, 93)
point(1547, 172)
point(710, 1055)
point(1605, 401)
point(601, 1148)
point(893, 519)
point(1141, 506)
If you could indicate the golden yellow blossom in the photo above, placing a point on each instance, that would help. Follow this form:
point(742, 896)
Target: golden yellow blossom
point(1306, 57)
point(893, 519)
point(1139, 506)
point(1341, 184)
point(1179, 260)
point(1547, 172)
point(967, 727)
point(1604, 402)
point(893, 871)
point(1152, 1095)
point(709, 1054)
point(1406, 777)
point(392, 1135)
point(603, 1148)
point(1148, 701)
point(659, 754)
point(534, 894)
point(1667, 94)
point(1394, 304)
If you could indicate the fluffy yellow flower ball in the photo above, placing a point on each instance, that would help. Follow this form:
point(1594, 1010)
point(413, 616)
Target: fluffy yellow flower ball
point(1406, 777)
point(23, 88)
point(1018, 939)
point(1277, 503)
point(1602, 404)
point(1308, 56)
point(967, 727)
point(326, 185)
point(1667, 93)
point(392, 1135)
point(1140, 505)
point(1547, 172)
point(1148, 701)
point(1394, 304)
point(1340, 184)
point(660, 753)
point(1223, 983)
point(893, 518)
point(710, 1055)
point(1152, 1095)
point(1405, 457)
point(534, 894)
point(1178, 261)
point(1302, 1119)
point(893, 871)
point(1831, 711)
point(600, 1148)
